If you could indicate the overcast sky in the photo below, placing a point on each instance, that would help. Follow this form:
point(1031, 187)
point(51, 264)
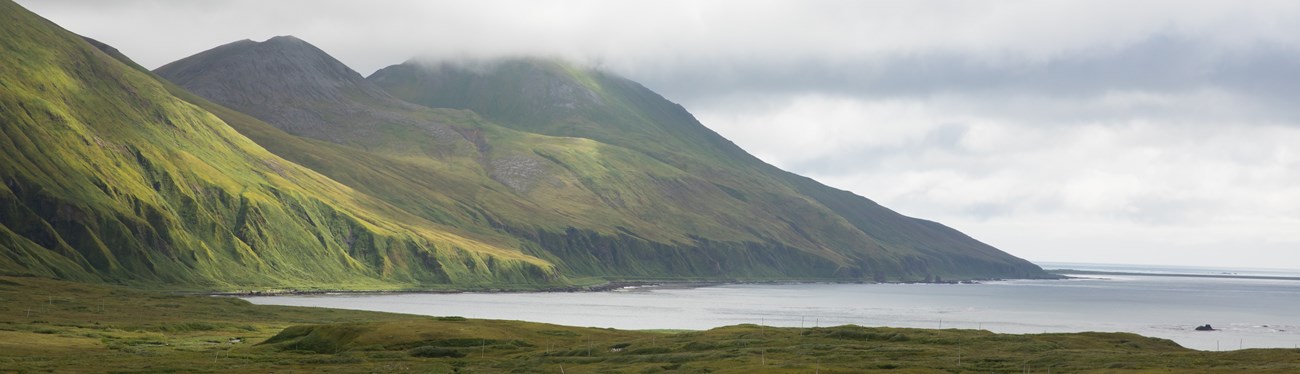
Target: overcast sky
point(1149, 132)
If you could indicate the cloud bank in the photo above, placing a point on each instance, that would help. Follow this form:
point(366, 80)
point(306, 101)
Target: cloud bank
point(1099, 131)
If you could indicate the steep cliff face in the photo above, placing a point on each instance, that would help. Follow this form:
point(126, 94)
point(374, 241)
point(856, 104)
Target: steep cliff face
point(108, 176)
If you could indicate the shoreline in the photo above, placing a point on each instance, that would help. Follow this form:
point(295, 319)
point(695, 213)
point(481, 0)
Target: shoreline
point(1220, 276)
point(606, 287)
point(293, 292)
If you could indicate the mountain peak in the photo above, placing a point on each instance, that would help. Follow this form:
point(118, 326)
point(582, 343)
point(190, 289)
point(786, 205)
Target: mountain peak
point(285, 39)
point(294, 47)
point(277, 80)
point(289, 58)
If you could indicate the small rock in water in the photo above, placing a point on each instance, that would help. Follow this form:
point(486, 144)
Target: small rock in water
point(1205, 327)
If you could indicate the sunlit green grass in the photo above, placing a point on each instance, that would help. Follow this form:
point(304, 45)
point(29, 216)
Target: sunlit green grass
point(108, 176)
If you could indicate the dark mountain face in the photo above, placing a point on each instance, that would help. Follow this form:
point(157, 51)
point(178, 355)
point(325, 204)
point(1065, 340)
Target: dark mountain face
point(293, 85)
point(280, 69)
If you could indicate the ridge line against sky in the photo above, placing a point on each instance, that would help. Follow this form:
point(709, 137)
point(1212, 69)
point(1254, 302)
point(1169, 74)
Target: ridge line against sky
point(1157, 132)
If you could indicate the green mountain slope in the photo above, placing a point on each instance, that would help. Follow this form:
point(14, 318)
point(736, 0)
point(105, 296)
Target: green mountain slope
point(109, 176)
point(554, 98)
point(549, 97)
point(589, 171)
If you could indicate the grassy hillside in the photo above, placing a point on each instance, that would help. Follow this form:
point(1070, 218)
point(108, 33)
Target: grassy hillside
point(865, 239)
point(551, 195)
point(621, 191)
point(108, 176)
point(60, 326)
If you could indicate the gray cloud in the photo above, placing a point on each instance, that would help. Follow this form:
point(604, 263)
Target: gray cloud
point(1263, 75)
point(1110, 131)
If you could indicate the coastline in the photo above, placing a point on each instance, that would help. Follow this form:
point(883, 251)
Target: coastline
point(605, 287)
point(1064, 272)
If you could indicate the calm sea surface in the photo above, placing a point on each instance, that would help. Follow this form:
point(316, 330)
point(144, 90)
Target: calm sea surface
point(1250, 313)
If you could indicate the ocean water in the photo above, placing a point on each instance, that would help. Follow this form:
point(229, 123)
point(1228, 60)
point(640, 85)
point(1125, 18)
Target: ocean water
point(1167, 269)
point(1249, 313)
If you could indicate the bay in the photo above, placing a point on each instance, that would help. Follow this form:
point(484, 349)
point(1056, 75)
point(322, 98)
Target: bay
point(1248, 313)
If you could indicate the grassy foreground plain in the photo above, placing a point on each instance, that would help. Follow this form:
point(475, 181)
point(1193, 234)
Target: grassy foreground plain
point(57, 326)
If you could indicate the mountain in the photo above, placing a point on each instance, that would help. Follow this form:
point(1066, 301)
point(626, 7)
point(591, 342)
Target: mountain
point(584, 169)
point(110, 176)
point(554, 98)
point(272, 165)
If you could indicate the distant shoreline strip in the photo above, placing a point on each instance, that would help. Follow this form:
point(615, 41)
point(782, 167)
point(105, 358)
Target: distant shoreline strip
point(1230, 276)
